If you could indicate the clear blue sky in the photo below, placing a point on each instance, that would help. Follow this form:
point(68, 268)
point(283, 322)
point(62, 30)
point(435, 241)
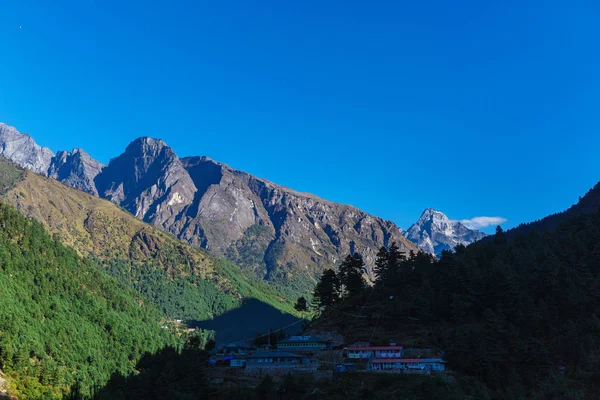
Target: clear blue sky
point(475, 108)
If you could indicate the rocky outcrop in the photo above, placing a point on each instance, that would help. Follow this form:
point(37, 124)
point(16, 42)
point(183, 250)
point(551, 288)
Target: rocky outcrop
point(434, 232)
point(76, 169)
point(23, 151)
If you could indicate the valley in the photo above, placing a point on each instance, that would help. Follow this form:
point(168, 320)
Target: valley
point(213, 255)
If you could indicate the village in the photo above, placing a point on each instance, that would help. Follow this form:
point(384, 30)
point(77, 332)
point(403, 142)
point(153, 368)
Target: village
point(309, 354)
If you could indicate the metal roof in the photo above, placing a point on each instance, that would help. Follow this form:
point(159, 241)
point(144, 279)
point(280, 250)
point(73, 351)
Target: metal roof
point(268, 354)
point(303, 339)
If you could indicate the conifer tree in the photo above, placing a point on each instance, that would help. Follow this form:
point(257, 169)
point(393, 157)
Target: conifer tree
point(301, 304)
point(351, 275)
point(394, 264)
point(381, 266)
point(327, 291)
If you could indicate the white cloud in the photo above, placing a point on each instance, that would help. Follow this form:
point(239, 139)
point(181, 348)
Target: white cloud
point(482, 222)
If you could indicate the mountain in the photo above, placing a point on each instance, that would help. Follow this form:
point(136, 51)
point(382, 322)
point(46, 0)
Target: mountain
point(434, 232)
point(280, 235)
point(149, 181)
point(283, 236)
point(183, 280)
point(76, 169)
point(23, 150)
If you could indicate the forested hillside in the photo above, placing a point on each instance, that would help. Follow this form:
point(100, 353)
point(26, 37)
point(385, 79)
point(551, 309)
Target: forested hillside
point(184, 281)
point(62, 320)
point(521, 317)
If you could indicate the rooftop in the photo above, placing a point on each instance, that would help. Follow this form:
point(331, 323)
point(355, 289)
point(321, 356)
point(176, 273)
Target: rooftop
point(303, 339)
point(407, 360)
point(268, 354)
point(373, 348)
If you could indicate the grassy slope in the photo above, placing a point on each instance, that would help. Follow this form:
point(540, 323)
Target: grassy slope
point(97, 227)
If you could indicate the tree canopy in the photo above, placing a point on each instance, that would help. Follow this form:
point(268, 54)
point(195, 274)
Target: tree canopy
point(62, 320)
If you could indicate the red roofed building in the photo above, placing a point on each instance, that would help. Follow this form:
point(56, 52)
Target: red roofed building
point(362, 352)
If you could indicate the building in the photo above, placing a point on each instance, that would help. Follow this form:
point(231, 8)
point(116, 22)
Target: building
point(345, 367)
point(237, 362)
point(274, 359)
point(238, 348)
point(358, 352)
point(408, 365)
point(303, 343)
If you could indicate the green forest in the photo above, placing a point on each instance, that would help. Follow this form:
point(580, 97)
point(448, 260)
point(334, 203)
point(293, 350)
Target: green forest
point(63, 321)
point(180, 297)
point(521, 317)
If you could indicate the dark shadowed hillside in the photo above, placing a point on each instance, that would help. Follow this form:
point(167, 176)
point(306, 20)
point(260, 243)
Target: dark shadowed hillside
point(521, 316)
point(251, 319)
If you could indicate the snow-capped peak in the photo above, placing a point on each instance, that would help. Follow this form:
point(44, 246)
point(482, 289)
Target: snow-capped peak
point(435, 232)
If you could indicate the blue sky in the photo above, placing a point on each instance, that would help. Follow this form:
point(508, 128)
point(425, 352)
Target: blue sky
point(473, 108)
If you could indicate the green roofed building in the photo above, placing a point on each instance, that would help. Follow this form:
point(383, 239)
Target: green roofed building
point(303, 343)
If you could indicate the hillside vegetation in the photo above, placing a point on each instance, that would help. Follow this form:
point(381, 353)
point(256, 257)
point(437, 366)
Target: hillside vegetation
point(62, 320)
point(184, 281)
point(522, 317)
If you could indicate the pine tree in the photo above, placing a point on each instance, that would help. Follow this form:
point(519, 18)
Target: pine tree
point(301, 304)
point(327, 291)
point(381, 266)
point(394, 264)
point(351, 275)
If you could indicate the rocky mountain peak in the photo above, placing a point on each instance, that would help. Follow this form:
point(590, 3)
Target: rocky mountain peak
point(432, 215)
point(148, 180)
point(434, 232)
point(77, 169)
point(22, 150)
point(147, 146)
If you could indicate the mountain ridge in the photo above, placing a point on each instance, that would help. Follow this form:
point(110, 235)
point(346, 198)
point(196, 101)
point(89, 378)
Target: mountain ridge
point(283, 236)
point(132, 249)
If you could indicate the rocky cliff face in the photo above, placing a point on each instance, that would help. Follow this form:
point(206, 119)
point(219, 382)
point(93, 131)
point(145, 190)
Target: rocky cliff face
point(23, 151)
point(76, 169)
point(434, 232)
point(281, 235)
point(278, 233)
point(149, 181)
